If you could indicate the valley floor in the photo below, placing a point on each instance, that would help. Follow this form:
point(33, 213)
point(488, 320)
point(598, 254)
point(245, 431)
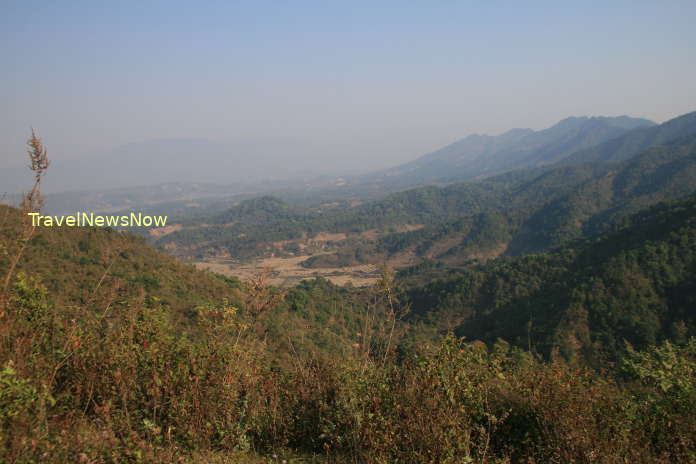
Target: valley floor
point(288, 271)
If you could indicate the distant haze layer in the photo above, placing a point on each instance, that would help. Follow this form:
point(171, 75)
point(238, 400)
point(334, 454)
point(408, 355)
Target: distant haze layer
point(195, 160)
point(167, 160)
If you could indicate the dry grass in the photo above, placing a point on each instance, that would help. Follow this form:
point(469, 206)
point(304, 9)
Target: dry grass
point(288, 271)
point(409, 227)
point(404, 258)
point(166, 230)
point(329, 237)
point(491, 253)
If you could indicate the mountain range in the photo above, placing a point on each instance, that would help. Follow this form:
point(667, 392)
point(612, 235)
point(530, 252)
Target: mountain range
point(524, 210)
point(478, 156)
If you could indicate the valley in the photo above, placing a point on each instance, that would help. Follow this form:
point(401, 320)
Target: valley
point(524, 211)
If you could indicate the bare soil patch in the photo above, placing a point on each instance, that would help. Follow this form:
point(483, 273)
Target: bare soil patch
point(329, 237)
point(288, 271)
point(166, 230)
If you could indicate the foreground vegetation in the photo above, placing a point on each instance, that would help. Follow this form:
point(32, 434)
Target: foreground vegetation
point(128, 386)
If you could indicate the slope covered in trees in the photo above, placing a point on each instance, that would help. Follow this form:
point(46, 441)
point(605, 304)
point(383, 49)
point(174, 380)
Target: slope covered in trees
point(633, 284)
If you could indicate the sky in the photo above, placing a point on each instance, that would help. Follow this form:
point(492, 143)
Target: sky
point(340, 85)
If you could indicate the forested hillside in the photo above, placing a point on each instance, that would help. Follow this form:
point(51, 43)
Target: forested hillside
point(589, 299)
point(114, 265)
point(101, 269)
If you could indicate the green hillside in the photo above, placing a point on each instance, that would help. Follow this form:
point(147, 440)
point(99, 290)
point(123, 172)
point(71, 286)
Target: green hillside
point(588, 299)
point(114, 265)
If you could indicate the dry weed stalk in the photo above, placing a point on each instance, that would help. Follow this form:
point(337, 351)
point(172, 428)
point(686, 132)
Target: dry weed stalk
point(259, 299)
point(31, 202)
point(381, 316)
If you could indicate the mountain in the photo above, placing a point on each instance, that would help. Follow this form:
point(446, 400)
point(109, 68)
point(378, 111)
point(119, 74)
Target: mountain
point(596, 195)
point(483, 156)
point(548, 208)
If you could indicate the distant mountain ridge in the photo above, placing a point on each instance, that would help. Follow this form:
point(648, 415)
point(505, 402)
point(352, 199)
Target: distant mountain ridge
point(630, 144)
point(479, 156)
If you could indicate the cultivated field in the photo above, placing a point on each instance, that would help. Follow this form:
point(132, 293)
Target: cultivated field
point(288, 271)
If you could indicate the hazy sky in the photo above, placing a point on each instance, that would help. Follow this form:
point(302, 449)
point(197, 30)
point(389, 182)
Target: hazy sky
point(348, 83)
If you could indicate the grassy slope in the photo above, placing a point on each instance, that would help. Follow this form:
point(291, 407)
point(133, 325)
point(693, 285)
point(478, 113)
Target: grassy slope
point(82, 264)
